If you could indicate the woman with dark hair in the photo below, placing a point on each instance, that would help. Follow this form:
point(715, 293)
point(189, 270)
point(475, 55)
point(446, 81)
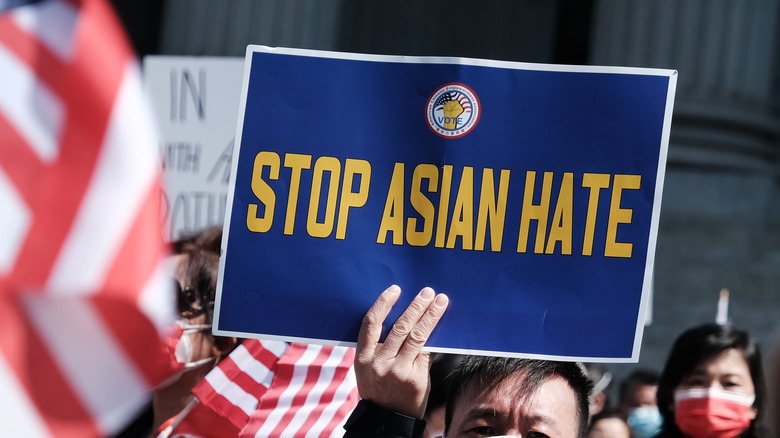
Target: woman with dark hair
point(712, 385)
point(194, 350)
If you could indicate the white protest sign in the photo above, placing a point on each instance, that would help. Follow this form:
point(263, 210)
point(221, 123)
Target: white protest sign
point(195, 102)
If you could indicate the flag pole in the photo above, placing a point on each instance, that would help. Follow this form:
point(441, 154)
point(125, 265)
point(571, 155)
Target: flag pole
point(179, 418)
point(722, 317)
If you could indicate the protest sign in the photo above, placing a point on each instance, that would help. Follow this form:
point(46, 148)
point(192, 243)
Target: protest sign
point(195, 103)
point(529, 194)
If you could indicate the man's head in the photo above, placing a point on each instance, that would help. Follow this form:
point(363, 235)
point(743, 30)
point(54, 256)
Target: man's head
point(638, 389)
point(501, 396)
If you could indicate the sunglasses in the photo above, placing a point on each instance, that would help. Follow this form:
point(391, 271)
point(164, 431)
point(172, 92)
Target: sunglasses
point(190, 302)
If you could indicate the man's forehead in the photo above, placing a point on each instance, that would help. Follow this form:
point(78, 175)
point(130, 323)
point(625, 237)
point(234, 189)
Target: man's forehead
point(551, 401)
point(516, 390)
point(516, 385)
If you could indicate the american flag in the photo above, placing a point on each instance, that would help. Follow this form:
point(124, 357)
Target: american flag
point(453, 96)
point(234, 388)
point(83, 295)
point(272, 388)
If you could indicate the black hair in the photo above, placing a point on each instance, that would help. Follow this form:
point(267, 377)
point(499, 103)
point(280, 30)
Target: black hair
point(484, 371)
point(637, 378)
point(441, 375)
point(699, 344)
point(202, 248)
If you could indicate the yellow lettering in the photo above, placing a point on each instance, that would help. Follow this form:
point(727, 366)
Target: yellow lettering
point(619, 215)
point(561, 228)
point(422, 205)
point(534, 212)
point(393, 216)
point(444, 206)
point(350, 198)
point(331, 165)
point(492, 208)
point(596, 182)
point(297, 163)
point(263, 192)
point(463, 214)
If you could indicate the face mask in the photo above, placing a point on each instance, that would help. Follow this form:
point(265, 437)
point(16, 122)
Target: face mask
point(183, 351)
point(179, 347)
point(712, 413)
point(645, 421)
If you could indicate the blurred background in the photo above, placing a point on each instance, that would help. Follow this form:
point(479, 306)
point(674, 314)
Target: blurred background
point(720, 214)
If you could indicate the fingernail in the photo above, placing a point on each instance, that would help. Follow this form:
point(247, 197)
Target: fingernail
point(427, 293)
point(394, 289)
point(441, 300)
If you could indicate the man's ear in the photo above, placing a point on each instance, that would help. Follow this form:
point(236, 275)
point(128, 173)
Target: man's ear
point(223, 345)
point(597, 403)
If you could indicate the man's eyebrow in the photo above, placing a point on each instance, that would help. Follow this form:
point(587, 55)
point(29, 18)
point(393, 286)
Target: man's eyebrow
point(490, 412)
point(481, 413)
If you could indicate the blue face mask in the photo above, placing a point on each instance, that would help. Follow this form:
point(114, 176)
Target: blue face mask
point(645, 421)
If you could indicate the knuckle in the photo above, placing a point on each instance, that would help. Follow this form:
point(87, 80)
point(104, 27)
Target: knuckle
point(432, 315)
point(418, 306)
point(418, 336)
point(400, 328)
point(370, 318)
point(363, 362)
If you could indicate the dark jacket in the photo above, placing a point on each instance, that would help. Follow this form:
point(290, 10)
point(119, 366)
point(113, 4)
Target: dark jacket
point(371, 420)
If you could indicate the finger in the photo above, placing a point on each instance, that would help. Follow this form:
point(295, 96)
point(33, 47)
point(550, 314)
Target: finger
point(422, 330)
point(405, 323)
point(371, 327)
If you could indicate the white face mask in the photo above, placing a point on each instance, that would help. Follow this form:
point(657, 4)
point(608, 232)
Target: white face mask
point(183, 352)
point(179, 346)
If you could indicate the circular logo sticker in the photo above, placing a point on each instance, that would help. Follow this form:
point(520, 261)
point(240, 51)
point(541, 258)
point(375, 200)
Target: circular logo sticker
point(452, 110)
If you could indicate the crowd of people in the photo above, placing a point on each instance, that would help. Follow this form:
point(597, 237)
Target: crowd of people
point(712, 385)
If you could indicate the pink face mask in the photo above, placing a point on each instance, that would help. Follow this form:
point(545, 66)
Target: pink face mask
point(712, 413)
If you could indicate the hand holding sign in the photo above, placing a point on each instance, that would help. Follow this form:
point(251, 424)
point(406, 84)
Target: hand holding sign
point(395, 374)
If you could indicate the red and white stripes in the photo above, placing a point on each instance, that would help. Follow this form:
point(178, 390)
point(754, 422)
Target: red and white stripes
point(267, 388)
point(82, 291)
point(234, 388)
point(314, 391)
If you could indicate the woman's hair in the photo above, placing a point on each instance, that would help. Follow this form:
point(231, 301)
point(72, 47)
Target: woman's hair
point(202, 249)
point(699, 344)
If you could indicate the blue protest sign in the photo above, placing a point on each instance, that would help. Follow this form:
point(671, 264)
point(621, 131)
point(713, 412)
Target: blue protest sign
point(528, 193)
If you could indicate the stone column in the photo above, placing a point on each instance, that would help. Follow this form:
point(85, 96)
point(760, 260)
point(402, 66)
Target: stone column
point(720, 224)
point(725, 53)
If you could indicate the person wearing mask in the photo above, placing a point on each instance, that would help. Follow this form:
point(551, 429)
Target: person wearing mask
point(193, 350)
point(773, 404)
point(712, 385)
point(637, 403)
